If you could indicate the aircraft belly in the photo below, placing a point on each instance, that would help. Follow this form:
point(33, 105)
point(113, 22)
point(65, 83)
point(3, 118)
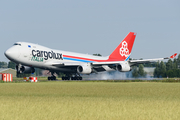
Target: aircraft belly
point(62, 69)
point(107, 68)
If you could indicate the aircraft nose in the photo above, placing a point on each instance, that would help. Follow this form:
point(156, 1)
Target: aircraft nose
point(8, 53)
point(11, 53)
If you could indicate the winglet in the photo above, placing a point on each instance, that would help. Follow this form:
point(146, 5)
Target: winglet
point(173, 55)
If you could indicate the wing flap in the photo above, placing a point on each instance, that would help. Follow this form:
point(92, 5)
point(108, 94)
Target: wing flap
point(105, 63)
point(66, 64)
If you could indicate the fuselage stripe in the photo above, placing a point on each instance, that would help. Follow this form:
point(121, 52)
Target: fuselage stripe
point(127, 58)
point(74, 59)
point(67, 57)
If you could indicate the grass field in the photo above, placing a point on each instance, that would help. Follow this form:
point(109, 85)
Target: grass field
point(90, 101)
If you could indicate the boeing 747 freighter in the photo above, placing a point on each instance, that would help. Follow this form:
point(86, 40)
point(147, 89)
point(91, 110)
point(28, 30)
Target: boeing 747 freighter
point(28, 56)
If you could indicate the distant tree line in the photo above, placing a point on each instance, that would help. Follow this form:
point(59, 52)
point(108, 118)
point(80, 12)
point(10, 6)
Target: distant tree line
point(170, 69)
point(138, 71)
point(10, 64)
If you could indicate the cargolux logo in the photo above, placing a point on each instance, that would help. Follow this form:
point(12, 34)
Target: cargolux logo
point(124, 49)
point(46, 55)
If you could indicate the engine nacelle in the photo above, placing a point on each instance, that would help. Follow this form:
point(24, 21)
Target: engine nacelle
point(26, 69)
point(123, 67)
point(84, 69)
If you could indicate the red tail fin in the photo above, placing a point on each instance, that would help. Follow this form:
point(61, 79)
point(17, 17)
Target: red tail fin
point(123, 51)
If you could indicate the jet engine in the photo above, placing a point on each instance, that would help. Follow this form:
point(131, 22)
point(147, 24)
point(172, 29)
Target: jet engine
point(84, 69)
point(123, 67)
point(25, 69)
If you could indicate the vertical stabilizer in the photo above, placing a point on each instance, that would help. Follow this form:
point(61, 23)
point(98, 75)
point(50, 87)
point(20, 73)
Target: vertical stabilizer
point(123, 51)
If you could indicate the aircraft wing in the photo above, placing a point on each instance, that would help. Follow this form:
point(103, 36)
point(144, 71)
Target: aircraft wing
point(135, 62)
point(131, 62)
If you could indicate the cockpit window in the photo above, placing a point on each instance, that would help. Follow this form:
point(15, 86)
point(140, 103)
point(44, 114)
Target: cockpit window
point(17, 44)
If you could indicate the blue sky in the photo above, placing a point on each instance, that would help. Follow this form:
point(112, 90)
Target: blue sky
point(92, 26)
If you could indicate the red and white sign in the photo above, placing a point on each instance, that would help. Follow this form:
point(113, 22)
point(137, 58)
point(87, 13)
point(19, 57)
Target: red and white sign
point(26, 79)
point(6, 77)
point(33, 79)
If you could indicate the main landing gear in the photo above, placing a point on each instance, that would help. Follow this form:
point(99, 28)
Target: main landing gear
point(52, 77)
point(67, 77)
point(71, 77)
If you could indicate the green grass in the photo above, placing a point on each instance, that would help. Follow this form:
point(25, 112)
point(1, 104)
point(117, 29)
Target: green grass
point(90, 101)
point(44, 79)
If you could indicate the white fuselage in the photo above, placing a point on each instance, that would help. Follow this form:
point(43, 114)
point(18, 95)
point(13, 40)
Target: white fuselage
point(38, 56)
